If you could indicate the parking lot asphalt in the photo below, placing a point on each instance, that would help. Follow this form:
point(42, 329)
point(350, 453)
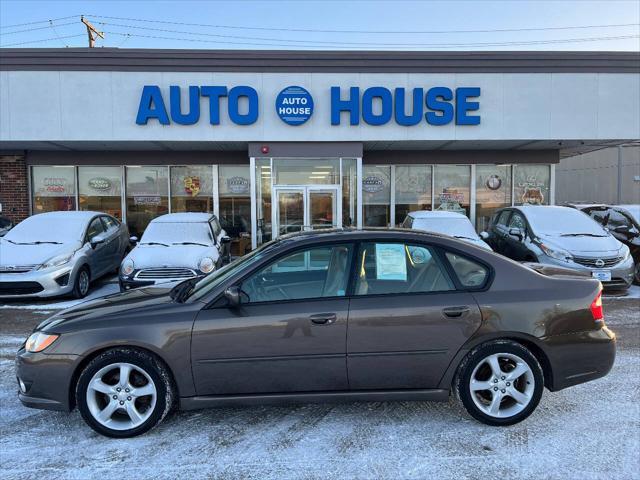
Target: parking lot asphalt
point(590, 431)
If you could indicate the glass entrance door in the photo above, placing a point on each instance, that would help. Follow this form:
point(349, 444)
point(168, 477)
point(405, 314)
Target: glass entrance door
point(304, 208)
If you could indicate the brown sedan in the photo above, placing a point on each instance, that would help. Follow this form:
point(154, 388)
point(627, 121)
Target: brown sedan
point(340, 315)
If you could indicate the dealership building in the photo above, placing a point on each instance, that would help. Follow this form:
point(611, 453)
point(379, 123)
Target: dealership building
point(280, 141)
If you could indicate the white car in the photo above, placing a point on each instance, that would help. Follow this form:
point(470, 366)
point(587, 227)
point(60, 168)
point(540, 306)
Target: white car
point(453, 224)
point(175, 247)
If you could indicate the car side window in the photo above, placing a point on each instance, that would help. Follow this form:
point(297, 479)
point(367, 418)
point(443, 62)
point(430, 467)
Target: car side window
point(502, 219)
point(517, 222)
point(215, 226)
point(313, 273)
point(95, 228)
point(408, 222)
point(396, 268)
point(617, 219)
point(470, 273)
point(109, 223)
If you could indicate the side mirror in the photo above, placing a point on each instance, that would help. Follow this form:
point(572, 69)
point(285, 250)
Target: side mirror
point(484, 235)
point(97, 240)
point(224, 240)
point(232, 294)
point(516, 233)
point(622, 229)
point(133, 239)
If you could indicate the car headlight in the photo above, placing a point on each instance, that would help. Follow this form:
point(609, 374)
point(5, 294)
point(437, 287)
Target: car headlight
point(127, 267)
point(626, 253)
point(38, 341)
point(557, 253)
point(206, 265)
point(57, 260)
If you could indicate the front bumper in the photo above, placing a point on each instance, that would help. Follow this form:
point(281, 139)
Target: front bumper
point(130, 281)
point(46, 380)
point(580, 357)
point(49, 282)
point(621, 274)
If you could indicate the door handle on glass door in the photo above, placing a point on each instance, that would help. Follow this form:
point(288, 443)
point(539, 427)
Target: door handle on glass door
point(455, 312)
point(323, 318)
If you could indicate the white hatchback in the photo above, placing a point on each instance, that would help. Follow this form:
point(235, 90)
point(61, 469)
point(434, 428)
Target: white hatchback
point(175, 247)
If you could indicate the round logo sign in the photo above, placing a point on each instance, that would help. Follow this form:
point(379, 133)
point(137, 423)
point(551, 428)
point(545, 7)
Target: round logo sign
point(494, 182)
point(294, 105)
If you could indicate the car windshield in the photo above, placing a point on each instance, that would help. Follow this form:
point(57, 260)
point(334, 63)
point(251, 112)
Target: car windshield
point(211, 281)
point(563, 221)
point(454, 227)
point(177, 233)
point(47, 229)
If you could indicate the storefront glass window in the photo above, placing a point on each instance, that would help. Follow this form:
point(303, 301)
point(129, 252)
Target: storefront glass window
point(349, 193)
point(147, 196)
point(532, 184)
point(235, 206)
point(413, 190)
point(263, 200)
point(294, 171)
point(376, 195)
point(54, 188)
point(493, 191)
point(452, 186)
point(192, 189)
point(100, 190)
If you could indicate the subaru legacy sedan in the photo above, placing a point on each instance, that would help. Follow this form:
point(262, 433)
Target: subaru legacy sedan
point(337, 315)
point(60, 253)
point(564, 237)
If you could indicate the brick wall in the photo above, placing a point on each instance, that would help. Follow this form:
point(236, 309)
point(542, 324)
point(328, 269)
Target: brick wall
point(14, 189)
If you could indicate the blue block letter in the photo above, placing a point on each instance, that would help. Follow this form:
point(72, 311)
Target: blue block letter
point(438, 99)
point(463, 106)
point(214, 94)
point(151, 106)
point(194, 106)
point(234, 111)
point(367, 105)
point(352, 105)
point(416, 114)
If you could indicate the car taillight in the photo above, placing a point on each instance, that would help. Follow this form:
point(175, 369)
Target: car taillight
point(596, 308)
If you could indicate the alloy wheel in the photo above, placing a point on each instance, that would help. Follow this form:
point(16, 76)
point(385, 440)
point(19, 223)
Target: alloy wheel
point(502, 385)
point(83, 282)
point(121, 396)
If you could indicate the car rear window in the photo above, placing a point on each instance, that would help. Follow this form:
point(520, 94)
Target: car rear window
point(470, 273)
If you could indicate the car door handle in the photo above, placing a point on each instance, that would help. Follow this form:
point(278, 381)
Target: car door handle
point(455, 312)
point(323, 318)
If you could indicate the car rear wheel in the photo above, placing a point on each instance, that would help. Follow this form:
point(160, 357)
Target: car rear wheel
point(124, 392)
point(500, 383)
point(81, 283)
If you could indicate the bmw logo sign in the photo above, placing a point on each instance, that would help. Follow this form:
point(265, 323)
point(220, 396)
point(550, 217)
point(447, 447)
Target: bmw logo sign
point(494, 182)
point(294, 105)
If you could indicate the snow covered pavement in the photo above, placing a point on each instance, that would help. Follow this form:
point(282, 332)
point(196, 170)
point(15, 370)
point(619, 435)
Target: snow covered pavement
point(589, 431)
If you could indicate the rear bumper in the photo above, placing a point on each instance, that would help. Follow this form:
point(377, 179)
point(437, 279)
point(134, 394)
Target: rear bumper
point(580, 357)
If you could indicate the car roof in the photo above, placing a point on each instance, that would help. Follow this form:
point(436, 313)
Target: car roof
point(348, 234)
point(547, 208)
point(186, 217)
point(84, 214)
point(436, 214)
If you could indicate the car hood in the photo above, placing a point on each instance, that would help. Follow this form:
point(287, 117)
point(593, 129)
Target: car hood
point(12, 254)
point(585, 245)
point(111, 305)
point(188, 256)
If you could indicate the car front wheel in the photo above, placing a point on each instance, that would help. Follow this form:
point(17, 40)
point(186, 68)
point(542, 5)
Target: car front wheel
point(81, 283)
point(500, 383)
point(124, 392)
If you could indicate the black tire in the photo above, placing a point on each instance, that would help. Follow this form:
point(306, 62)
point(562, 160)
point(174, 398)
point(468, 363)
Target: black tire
point(79, 288)
point(474, 358)
point(157, 371)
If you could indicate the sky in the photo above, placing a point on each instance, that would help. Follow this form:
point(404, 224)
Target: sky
point(326, 25)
